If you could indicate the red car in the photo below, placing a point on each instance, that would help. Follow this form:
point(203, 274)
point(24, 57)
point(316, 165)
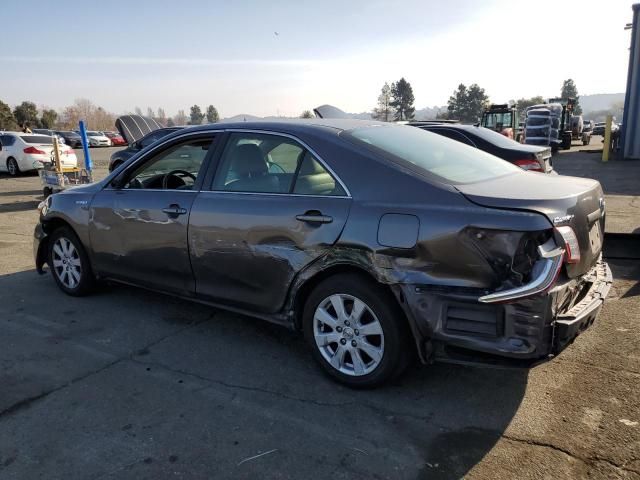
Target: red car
point(116, 139)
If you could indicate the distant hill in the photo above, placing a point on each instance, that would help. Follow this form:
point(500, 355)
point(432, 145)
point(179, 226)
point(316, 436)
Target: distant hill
point(600, 101)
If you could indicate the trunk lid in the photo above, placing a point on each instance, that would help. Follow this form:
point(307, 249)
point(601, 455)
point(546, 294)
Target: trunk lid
point(133, 127)
point(576, 202)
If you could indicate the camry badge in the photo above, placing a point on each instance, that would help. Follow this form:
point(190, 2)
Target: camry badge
point(563, 219)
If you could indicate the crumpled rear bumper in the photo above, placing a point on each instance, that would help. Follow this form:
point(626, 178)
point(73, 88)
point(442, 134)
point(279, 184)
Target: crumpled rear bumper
point(570, 323)
point(451, 324)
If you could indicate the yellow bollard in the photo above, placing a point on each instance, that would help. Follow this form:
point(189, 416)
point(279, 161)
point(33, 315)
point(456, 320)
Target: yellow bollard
point(56, 154)
point(606, 147)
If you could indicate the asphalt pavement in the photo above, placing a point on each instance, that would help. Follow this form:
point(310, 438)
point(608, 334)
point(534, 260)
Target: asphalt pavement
point(131, 384)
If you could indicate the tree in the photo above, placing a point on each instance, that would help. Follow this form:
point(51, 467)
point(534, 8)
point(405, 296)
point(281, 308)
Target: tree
point(96, 118)
point(523, 103)
point(467, 104)
point(138, 111)
point(402, 100)
point(306, 114)
point(384, 111)
point(569, 90)
point(150, 112)
point(27, 113)
point(180, 118)
point(7, 120)
point(162, 117)
point(196, 115)
point(212, 114)
point(170, 122)
point(48, 118)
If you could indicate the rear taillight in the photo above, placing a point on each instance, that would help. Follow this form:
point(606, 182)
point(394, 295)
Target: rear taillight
point(571, 245)
point(33, 151)
point(530, 165)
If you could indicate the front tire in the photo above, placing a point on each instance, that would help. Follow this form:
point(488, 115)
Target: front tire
point(12, 167)
point(69, 263)
point(356, 331)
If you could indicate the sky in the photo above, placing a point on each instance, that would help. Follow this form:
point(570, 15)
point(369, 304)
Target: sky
point(281, 57)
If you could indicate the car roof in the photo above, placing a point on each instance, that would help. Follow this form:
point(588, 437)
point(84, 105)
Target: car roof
point(21, 134)
point(293, 125)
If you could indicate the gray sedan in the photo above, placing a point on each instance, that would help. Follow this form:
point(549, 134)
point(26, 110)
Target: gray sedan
point(380, 242)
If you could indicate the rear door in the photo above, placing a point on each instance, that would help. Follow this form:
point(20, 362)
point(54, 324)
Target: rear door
point(138, 227)
point(272, 209)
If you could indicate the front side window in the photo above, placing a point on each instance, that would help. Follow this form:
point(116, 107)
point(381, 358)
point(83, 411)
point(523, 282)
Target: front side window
point(174, 168)
point(264, 163)
point(448, 161)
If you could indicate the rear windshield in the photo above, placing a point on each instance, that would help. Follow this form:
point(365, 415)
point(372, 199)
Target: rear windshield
point(41, 139)
point(448, 160)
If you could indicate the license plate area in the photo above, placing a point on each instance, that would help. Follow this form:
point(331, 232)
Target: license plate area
point(595, 238)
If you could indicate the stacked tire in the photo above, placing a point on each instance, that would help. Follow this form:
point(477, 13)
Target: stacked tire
point(542, 125)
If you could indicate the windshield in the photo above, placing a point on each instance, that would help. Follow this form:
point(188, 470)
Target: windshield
point(451, 161)
point(497, 120)
point(94, 134)
point(493, 137)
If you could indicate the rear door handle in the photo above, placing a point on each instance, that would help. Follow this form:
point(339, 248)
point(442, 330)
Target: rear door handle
point(314, 217)
point(174, 210)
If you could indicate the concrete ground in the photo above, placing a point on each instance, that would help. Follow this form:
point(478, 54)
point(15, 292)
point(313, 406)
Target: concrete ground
point(131, 384)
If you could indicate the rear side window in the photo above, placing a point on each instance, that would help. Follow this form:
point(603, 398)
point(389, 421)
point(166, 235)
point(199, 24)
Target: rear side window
point(264, 163)
point(445, 159)
point(453, 135)
point(39, 139)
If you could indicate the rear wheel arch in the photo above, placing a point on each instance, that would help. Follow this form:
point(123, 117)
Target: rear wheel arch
point(304, 290)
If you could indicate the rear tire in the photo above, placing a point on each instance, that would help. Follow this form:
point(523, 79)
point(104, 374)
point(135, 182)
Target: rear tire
point(69, 263)
point(12, 167)
point(356, 331)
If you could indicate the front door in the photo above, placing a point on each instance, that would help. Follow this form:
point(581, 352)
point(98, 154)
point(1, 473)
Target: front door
point(273, 209)
point(138, 227)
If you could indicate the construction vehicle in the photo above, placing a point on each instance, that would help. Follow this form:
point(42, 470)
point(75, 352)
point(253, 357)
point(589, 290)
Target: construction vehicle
point(503, 119)
point(581, 130)
point(565, 132)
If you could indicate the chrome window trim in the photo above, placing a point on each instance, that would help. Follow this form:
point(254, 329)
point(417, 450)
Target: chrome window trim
point(271, 194)
point(308, 148)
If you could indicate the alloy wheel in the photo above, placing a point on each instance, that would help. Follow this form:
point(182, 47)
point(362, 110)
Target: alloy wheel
point(12, 166)
point(66, 263)
point(348, 334)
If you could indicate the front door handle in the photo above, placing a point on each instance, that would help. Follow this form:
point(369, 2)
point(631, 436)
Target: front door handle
point(314, 217)
point(174, 210)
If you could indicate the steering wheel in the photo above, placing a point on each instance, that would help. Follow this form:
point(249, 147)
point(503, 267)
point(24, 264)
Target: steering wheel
point(176, 173)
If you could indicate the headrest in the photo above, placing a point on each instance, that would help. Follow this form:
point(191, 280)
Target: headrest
point(249, 162)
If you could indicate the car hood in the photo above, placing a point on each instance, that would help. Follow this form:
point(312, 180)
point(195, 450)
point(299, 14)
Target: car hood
point(576, 202)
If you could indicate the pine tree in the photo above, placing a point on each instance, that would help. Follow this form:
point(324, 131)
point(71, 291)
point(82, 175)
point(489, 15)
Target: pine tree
point(569, 90)
point(402, 100)
point(384, 111)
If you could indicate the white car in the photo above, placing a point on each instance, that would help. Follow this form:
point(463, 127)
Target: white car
point(98, 139)
point(21, 152)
